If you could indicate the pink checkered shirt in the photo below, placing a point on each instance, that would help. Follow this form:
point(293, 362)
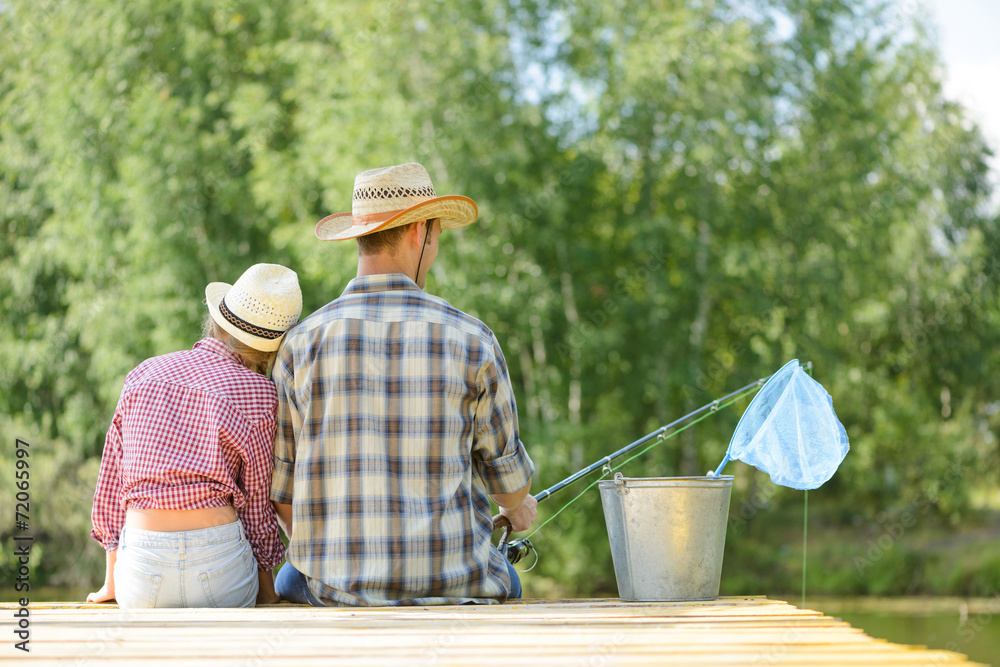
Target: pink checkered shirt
point(192, 429)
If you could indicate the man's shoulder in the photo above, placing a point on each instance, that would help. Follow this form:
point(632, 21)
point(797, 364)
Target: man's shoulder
point(408, 306)
point(459, 319)
point(315, 319)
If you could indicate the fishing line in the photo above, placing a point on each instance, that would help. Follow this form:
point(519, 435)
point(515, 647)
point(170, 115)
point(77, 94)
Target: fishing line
point(659, 440)
point(805, 531)
point(533, 564)
point(805, 520)
point(790, 471)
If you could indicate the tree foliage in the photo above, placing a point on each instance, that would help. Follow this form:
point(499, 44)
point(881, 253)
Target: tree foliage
point(676, 198)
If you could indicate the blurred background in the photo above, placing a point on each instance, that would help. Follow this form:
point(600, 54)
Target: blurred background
point(675, 199)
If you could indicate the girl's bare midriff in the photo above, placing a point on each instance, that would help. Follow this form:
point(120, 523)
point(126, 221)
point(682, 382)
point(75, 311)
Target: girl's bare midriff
point(172, 521)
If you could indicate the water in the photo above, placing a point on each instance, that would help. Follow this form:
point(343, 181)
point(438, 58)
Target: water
point(971, 627)
point(40, 594)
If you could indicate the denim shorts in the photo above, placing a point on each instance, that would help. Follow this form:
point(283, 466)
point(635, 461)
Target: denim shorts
point(212, 567)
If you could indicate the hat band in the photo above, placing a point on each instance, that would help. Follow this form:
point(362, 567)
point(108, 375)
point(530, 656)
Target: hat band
point(243, 325)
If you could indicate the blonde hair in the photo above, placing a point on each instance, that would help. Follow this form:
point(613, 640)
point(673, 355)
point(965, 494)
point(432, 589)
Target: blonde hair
point(256, 360)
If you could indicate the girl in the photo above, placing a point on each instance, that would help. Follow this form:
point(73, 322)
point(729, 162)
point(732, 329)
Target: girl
point(182, 503)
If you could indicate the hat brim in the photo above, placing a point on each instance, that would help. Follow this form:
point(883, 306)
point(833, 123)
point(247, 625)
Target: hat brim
point(214, 294)
point(454, 211)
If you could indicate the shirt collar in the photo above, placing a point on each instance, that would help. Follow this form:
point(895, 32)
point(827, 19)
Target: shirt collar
point(216, 346)
point(383, 282)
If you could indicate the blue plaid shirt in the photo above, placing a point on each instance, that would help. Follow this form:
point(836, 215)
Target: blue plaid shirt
point(396, 419)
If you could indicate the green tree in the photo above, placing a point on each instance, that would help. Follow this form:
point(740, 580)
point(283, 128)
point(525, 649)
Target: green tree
point(675, 199)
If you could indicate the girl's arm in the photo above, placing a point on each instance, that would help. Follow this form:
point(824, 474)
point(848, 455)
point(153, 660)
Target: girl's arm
point(108, 515)
point(266, 593)
point(107, 591)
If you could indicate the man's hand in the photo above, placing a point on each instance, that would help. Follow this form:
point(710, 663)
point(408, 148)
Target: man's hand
point(522, 516)
point(284, 513)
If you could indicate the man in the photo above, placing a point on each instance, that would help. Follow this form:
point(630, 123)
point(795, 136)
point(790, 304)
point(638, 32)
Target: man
point(396, 421)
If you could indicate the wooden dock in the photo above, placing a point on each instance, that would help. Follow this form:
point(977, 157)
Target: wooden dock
point(580, 633)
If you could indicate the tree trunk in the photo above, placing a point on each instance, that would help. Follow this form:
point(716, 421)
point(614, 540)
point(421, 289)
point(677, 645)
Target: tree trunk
point(699, 330)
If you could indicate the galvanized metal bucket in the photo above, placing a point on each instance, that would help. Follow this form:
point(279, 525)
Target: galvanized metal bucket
point(667, 535)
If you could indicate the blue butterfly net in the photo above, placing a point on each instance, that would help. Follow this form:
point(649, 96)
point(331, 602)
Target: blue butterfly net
point(790, 431)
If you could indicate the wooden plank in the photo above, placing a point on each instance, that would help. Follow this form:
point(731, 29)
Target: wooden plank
point(743, 630)
point(827, 659)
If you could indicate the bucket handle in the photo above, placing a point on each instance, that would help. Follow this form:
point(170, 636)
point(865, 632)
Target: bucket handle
point(621, 484)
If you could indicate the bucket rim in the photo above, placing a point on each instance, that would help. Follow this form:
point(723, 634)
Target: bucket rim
point(715, 480)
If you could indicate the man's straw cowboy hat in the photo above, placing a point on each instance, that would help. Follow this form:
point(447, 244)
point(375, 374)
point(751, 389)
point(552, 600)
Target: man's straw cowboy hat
point(395, 196)
point(264, 303)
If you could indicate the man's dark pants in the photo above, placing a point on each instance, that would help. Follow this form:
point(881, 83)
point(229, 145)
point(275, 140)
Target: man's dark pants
point(292, 586)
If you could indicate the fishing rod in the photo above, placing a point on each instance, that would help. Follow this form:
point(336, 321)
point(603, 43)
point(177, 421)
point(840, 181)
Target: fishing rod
point(515, 550)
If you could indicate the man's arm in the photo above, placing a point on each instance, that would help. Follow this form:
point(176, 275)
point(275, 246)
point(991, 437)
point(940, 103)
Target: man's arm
point(284, 513)
point(520, 507)
point(498, 453)
point(288, 417)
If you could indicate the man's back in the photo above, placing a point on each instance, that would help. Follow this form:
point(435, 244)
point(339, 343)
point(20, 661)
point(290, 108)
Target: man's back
point(396, 420)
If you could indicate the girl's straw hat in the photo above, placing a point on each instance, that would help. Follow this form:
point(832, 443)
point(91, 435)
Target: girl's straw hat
point(395, 196)
point(264, 303)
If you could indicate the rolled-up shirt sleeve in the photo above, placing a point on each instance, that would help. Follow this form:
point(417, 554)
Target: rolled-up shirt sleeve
point(108, 514)
point(499, 456)
point(288, 418)
point(257, 514)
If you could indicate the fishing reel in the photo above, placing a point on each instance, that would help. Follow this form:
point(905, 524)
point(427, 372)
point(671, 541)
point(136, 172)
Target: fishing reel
point(513, 550)
point(516, 550)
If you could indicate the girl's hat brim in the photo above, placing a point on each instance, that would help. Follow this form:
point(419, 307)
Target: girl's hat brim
point(214, 294)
